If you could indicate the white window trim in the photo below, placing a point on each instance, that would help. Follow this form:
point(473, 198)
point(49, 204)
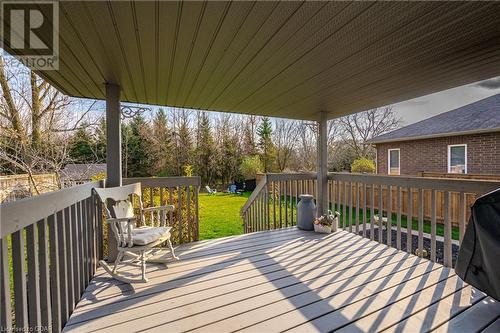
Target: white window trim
point(389, 160)
point(449, 156)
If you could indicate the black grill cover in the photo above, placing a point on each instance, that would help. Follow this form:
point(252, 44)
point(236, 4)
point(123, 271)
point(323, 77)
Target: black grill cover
point(478, 260)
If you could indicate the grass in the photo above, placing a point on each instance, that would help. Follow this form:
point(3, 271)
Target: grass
point(220, 214)
point(404, 222)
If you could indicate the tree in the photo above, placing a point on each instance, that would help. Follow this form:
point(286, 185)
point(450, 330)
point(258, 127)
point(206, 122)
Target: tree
point(249, 130)
point(82, 146)
point(138, 147)
point(35, 121)
point(250, 167)
point(161, 144)
point(306, 147)
point(205, 151)
point(285, 139)
point(360, 127)
point(363, 165)
point(267, 151)
point(228, 148)
point(343, 157)
point(100, 138)
point(183, 142)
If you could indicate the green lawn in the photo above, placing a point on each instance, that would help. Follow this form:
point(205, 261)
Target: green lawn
point(427, 224)
point(220, 214)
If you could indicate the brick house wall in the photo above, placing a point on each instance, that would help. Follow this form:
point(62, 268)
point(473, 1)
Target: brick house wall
point(431, 155)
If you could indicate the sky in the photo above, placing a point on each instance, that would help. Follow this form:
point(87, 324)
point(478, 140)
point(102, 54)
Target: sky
point(420, 108)
point(416, 109)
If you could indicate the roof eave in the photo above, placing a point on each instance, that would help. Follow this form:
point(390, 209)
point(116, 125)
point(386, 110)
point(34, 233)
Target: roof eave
point(438, 135)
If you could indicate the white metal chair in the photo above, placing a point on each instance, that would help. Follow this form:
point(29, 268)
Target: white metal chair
point(210, 190)
point(139, 243)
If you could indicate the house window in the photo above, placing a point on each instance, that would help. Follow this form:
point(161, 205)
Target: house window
point(393, 164)
point(457, 159)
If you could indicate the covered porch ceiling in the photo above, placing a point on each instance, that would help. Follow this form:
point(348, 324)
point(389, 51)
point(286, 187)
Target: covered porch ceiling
point(282, 59)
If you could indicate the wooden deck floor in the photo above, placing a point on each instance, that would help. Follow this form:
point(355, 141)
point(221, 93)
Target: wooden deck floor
point(288, 280)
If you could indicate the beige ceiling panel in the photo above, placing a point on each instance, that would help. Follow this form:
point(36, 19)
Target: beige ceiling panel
point(285, 59)
point(169, 24)
point(145, 21)
point(125, 25)
point(208, 27)
point(263, 69)
point(191, 14)
point(245, 77)
point(225, 35)
point(103, 30)
point(253, 42)
point(86, 66)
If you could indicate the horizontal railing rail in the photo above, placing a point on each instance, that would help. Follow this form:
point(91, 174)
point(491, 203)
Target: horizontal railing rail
point(183, 193)
point(49, 251)
point(272, 205)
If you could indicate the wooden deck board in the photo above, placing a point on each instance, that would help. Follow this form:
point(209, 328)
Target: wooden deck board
point(285, 280)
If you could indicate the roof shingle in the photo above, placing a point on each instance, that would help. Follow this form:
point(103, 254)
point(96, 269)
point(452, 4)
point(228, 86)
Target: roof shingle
point(477, 117)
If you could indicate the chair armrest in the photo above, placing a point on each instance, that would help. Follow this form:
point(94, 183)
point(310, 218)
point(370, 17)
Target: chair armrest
point(166, 208)
point(121, 219)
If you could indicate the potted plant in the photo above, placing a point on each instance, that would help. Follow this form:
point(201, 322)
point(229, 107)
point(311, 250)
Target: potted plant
point(325, 224)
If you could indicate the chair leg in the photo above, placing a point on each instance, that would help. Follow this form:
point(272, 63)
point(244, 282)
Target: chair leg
point(117, 261)
point(169, 242)
point(143, 266)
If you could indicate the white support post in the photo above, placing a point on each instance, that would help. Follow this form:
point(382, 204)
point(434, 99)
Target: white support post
point(113, 151)
point(322, 150)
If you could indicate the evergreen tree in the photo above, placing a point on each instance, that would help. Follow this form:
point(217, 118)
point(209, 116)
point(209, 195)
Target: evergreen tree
point(162, 145)
point(249, 145)
point(183, 152)
point(229, 150)
point(266, 145)
point(100, 144)
point(139, 148)
point(205, 152)
point(82, 146)
point(126, 137)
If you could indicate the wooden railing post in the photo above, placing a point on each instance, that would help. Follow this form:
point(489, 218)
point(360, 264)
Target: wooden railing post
point(5, 297)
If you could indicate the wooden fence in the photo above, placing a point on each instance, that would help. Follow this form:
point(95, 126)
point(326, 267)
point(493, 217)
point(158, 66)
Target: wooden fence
point(456, 202)
point(459, 176)
point(15, 187)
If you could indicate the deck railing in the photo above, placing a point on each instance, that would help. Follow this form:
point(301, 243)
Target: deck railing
point(434, 211)
point(50, 245)
point(272, 205)
point(183, 193)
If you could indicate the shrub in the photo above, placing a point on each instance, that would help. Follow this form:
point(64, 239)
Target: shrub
point(250, 167)
point(363, 165)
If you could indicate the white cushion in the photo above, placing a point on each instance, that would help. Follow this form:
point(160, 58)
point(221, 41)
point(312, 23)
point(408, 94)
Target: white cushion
point(144, 236)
